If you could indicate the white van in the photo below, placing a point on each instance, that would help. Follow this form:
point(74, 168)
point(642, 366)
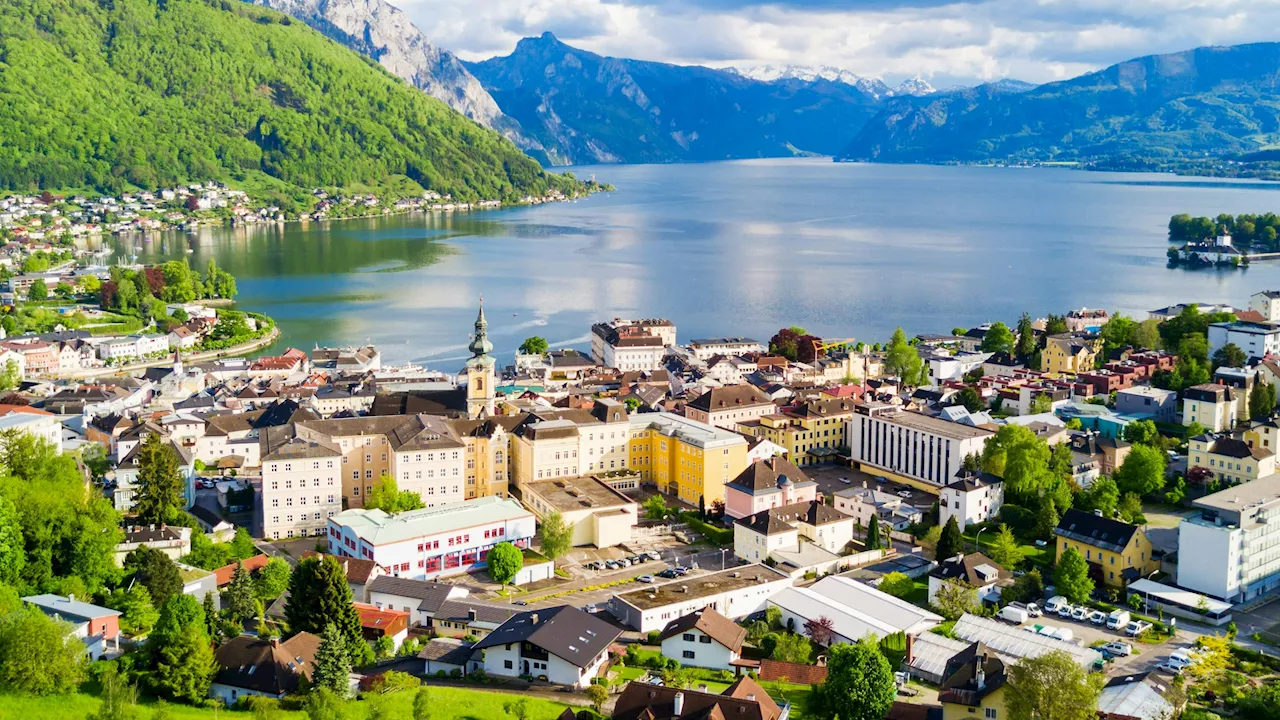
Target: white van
point(1015, 615)
point(1055, 604)
point(1065, 634)
point(1118, 619)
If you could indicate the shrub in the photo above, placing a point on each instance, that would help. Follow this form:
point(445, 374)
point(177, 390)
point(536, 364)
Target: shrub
point(654, 637)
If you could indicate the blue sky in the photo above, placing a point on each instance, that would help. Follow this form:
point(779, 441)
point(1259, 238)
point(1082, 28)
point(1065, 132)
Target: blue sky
point(945, 42)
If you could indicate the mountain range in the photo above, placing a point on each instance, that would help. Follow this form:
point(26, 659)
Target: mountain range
point(1159, 111)
point(587, 108)
point(150, 93)
point(874, 87)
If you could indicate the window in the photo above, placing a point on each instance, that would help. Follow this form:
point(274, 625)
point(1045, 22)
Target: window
point(989, 713)
point(705, 639)
point(688, 654)
point(506, 664)
point(688, 637)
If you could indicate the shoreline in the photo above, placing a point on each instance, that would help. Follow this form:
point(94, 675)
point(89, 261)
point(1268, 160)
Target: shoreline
point(236, 351)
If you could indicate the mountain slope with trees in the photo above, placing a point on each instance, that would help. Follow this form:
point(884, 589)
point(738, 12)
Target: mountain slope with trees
point(1154, 111)
point(150, 93)
point(585, 108)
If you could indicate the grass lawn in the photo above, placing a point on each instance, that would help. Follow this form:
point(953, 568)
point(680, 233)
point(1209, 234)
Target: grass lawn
point(919, 594)
point(446, 702)
point(1032, 556)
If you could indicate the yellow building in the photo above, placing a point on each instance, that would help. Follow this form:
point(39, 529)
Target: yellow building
point(684, 457)
point(1069, 354)
point(487, 455)
point(1117, 552)
point(1234, 460)
point(810, 433)
point(973, 685)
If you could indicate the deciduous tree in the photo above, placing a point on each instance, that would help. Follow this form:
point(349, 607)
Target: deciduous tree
point(792, 648)
point(156, 572)
point(820, 630)
point(859, 684)
point(1071, 576)
point(39, 655)
point(554, 535)
point(1142, 471)
point(902, 360)
point(1052, 687)
point(535, 345)
point(13, 554)
point(387, 496)
point(272, 580)
point(897, 584)
point(505, 561)
point(955, 598)
point(998, 339)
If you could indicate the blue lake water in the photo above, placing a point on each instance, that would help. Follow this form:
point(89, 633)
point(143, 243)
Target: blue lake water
point(735, 248)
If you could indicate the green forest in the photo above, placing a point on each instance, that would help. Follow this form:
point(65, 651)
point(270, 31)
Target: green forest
point(1248, 232)
point(117, 94)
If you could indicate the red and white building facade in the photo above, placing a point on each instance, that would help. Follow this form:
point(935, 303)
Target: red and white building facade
point(432, 542)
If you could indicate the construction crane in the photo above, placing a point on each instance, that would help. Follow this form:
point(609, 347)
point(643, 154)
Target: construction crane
point(820, 347)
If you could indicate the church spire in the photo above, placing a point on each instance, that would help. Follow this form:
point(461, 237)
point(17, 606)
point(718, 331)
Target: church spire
point(480, 345)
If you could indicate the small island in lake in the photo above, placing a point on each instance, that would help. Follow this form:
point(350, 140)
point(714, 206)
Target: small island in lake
point(1227, 240)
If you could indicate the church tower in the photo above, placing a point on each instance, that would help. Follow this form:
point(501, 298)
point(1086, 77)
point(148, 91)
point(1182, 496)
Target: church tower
point(480, 375)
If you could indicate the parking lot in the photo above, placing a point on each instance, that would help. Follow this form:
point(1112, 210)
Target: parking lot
point(1144, 658)
point(829, 479)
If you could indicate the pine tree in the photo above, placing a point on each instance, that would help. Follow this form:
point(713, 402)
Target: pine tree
point(1071, 576)
point(1026, 346)
point(239, 595)
point(319, 596)
point(951, 542)
point(210, 616)
point(873, 533)
point(1004, 549)
point(333, 662)
point(1046, 519)
point(161, 495)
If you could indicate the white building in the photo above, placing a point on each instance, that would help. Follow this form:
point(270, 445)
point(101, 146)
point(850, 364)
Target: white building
point(863, 503)
point(420, 598)
point(855, 610)
point(1267, 303)
point(803, 536)
point(704, 639)
point(432, 542)
point(1255, 339)
point(954, 367)
point(632, 344)
point(36, 423)
point(734, 593)
point(706, 348)
point(971, 498)
point(132, 346)
point(1228, 551)
point(916, 449)
point(561, 645)
point(974, 570)
point(1212, 405)
point(301, 484)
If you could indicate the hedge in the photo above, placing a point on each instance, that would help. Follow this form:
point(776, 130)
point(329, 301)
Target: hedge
point(719, 536)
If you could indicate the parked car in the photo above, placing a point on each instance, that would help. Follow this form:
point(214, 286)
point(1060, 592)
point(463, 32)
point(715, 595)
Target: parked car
point(1097, 617)
point(645, 578)
point(904, 493)
point(1065, 610)
point(1181, 657)
point(1034, 610)
point(881, 479)
point(593, 608)
point(682, 570)
point(1117, 649)
point(669, 574)
point(623, 562)
point(1170, 668)
point(653, 555)
point(521, 603)
point(611, 564)
point(1118, 619)
point(845, 480)
point(1055, 603)
point(1080, 613)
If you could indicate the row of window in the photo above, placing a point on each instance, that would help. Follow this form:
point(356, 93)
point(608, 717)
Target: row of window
point(302, 483)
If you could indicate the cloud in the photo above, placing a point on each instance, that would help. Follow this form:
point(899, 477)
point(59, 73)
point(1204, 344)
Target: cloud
point(944, 40)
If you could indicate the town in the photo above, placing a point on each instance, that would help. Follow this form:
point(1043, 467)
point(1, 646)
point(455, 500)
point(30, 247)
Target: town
point(1075, 509)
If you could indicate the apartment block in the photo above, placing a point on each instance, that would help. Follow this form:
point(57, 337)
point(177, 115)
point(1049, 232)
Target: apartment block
point(921, 450)
point(301, 483)
point(809, 431)
point(632, 344)
point(1231, 550)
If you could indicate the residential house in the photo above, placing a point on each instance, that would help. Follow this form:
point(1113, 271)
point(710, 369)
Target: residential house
point(465, 617)
point(972, 498)
point(562, 645)
point(1230, 460)
point(1144, 400)
point(1117, 552)
point(422, 599)
point(704, 639)
point(726, 407)
point(976, 571)
point(734, 593)
point(767, 483)
point(743, 700)
point(974, 683)
point(449, 656)
point(34, 422)
point(252, 666)
point(1211, 405)
point(807, 536)
point(377, 623)
point(864, 502)
point(98, 627)
point(174, 542)
point(1069, 353)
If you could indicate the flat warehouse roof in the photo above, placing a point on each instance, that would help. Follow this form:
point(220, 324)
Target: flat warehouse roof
point(686, 589)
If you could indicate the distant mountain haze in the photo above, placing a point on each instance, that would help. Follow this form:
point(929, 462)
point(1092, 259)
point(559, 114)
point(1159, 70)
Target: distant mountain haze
point(1210, 100)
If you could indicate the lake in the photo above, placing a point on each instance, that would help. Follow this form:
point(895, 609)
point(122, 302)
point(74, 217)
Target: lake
point(734, 248)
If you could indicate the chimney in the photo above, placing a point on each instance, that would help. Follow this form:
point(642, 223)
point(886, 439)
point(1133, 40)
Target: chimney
point(533, 619)
point(1097, 512)
point(678, 702)
point(910, 647)
point(275, 642)
point(71, 598)
point(979, 673)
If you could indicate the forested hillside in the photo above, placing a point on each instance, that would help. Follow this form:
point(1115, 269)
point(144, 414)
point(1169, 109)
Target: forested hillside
point(150, 93)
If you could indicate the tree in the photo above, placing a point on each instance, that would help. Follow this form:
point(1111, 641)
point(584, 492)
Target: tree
point(1029, 587)
point(902, 360)
point(242, 546)
point(517, 709)
point(971, 400)
point(324, 704)
point(859, 684)
point(1143, 432)
point(534, 346)
point(161, 492)
point(955, 598)
point(792, 648)
point(1229, 355)
point(998, 339)
point(1146, 335)
point(655, 508)
point(1054, 325)
point(10, 376)
point(181, 653)
point(1116, 334)
point(384, 647)
point(13, 554)
point(39, 655)
point(1026, 346)
point(1130, 509)
point(138, 614)
point(156, 572)
point(119, 697)
point(1041, 404)
point(897, 584)
point(873, 533)
point(1177, 493)
point(239, 596)
point(333, 662)
point(598, 695)
point(554, 536)
point(387, 496)
point(1004, 549)
point(1071, 576)
point(505, 561)
point(1046, 519)
point(1102, 495)
point(1262, 401)
point(38, 291)
point(820, 630)
point(1052, 687)
point(319, 597)
point(1142, 471)
point(951, 543)
point(272, 580)
point(422, 704)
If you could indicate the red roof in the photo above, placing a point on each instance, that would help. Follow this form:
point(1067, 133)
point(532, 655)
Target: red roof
point(385, 622)
point(226, 572)
point(6, 409)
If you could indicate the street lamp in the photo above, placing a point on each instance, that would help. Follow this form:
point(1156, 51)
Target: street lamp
point(976, 546)
point(722, 552)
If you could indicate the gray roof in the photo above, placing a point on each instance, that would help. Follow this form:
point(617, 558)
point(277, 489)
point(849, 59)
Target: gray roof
point(1130, 696)
point(447, 651)
point(378, 528)
point(68, 608)
point(1013, 642)
point(566, 632)
point(486, 614)
point(431, 594)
